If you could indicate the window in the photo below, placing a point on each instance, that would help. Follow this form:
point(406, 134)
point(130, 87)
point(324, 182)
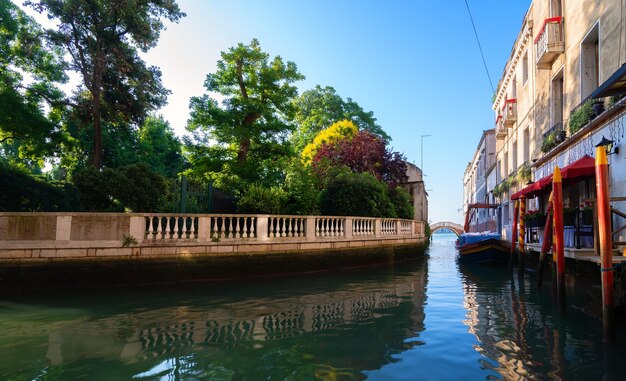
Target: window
point(556, 101)
point(526, 146)
point(514, 156)
point(590, 62)
point(525, 68)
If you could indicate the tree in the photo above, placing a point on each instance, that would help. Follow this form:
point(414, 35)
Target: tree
point(318, 108)
point(244, 136)
point(102, 39)
point(341, 130)
point(363, 153)
point(26, 131)
point(159, 147)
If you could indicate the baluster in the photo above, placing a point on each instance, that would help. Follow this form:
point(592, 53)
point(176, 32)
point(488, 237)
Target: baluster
point(355, 227)
point(148, 224)
point(317, 227)
point(166, 228)
point(192, 234)
point(157, 229)
point(236, 227)
point(251, 232)
point(281, 225)
point(341, 228)
point(228, 228)
point(175, 226)
point(271, 227)
point(301, 226)
point(216, 233)
point(333, 227)
point(288, 228)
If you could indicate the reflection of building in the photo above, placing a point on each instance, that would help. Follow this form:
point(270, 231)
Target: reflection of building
point(416, 188)
point(476, 181)
point(561, 91)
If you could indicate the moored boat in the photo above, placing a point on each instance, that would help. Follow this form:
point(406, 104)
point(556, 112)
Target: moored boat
point(485, 247)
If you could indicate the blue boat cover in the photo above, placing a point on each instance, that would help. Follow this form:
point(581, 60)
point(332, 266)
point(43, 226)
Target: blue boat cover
point(467, 238)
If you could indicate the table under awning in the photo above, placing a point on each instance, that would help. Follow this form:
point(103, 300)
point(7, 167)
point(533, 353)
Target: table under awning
point(583, 167)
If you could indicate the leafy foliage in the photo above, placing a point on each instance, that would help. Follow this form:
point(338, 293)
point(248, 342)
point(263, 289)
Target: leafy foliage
point(26, 132)
point(365, 152)
point(240, 141)
point(102, 38)
point(133, 187)
point(401, 201)
point(262, 200)
point(342, 130)
point(319, 108)
point(22, 192)
point(356, 194)
point(581, 116)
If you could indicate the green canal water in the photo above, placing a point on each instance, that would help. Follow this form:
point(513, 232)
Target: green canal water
point(426, 319)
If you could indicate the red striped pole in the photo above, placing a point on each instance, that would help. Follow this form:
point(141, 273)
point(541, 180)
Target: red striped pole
point(545, 244)
point(606, 242)
point(557, 207)
point(514, 232)
point(522, 215)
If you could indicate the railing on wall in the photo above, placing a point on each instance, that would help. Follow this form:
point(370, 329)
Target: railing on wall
point(148, 229)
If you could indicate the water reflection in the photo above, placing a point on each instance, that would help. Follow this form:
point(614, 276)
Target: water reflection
point(428, 319)
point(317, 327)
point(521, 332)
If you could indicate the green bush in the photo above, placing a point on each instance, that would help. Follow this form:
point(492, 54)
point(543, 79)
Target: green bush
point(257, 199)
point(581, 117)
point(133, 187)
point(22, 192)
point(401, 201)
point(356, 194)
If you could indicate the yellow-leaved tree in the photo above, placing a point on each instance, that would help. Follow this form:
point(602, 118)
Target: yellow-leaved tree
point(344, 129)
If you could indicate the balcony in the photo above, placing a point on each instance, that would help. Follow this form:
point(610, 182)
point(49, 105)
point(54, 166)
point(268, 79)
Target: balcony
point(550, 42)
point(500, 129)
point(509, 113)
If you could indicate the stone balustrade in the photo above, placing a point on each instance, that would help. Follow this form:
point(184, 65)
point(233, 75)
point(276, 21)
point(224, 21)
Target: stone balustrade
point(50, 235)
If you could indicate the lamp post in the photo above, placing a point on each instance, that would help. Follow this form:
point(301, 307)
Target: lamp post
point(422, 152)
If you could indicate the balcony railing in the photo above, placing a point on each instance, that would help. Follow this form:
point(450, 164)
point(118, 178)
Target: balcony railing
point(500, 129)
point(509, 112)
point(550, 42)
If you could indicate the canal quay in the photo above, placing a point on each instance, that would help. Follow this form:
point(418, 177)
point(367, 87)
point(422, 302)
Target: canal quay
point(428, 318)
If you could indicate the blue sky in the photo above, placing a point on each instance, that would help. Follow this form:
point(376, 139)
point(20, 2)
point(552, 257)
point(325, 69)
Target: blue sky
point(414, 63)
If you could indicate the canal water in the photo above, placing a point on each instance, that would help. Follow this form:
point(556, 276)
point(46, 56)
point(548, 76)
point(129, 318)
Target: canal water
point(425, 319)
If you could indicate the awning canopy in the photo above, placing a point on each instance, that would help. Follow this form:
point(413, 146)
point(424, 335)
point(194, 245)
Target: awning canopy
point(615, 85)
point(583, 167)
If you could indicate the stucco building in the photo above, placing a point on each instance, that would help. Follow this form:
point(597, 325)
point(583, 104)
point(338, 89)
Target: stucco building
point(476, 184)
point(561, 92)
point(417, 191)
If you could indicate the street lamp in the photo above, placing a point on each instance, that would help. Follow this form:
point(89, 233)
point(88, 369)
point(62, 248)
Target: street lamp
point(422, 152)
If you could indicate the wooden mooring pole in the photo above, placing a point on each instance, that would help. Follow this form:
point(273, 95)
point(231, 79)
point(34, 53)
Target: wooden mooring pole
point(514, 233)
point(557, 208)
point(545, 244)
point(520, 252)
point(606, 242)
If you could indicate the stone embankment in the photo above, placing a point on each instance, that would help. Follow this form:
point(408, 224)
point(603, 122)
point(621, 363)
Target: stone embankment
point(57, 250)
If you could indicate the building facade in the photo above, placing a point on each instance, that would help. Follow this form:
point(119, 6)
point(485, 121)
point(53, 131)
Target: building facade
point(417, 191)
point(476, 182)
point(561, 92)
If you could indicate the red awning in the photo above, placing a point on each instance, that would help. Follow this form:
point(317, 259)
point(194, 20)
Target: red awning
point(583, 167)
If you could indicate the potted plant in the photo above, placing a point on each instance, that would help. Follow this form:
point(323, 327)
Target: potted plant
point(586, 214)
point(581, 116)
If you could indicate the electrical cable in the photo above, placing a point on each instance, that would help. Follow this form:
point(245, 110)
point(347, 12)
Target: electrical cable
point(479, 47)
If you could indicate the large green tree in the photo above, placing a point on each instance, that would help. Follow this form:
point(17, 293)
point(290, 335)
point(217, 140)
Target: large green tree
point(320, 107)
point(243, 137)
point(102, 39)
point(29, 98)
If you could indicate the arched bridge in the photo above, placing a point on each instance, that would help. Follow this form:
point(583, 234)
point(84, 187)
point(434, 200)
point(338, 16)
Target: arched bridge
point(456, 228)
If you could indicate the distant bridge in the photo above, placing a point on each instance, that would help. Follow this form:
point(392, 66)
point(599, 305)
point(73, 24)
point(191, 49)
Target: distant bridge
point(456, 228)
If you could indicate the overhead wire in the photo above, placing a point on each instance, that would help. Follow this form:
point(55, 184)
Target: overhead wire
point(479, 47)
